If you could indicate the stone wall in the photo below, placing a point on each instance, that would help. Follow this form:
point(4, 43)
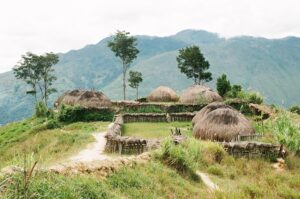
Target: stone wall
point(116, 143)
point(157, 117)
point(254, 149)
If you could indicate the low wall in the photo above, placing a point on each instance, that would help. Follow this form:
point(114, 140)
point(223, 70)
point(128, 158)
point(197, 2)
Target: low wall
point(137, 107)
point(144, 117)
point(157, 117)
point(254, 149)
point(116, 143)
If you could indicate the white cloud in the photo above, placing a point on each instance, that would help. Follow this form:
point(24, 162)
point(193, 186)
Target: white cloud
point(62, 25)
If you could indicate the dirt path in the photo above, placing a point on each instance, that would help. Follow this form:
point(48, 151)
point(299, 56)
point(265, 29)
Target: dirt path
point(94, 151)
point(207, 181)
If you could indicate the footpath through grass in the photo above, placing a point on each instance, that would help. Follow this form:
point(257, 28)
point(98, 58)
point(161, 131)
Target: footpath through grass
point(155, 130)
point(32, 137)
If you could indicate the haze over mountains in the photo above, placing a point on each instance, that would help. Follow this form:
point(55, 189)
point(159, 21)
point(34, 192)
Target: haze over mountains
point(270, 66)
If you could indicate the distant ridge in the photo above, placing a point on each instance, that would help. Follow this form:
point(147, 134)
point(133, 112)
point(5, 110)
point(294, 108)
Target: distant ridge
point(270, 66)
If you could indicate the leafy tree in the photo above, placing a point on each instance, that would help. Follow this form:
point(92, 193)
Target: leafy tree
point(223, 85)
point(37, 71)
point(192, 63)
point(135, 78)
point(27, 70)
point(235, 90)
point(124, 47)
point(295, 109)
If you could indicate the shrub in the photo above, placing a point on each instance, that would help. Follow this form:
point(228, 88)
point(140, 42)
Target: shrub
point(178, 157)
point(215, 170)
point(235, 89)
point(52, 124)
point(223, 85)
point(143, 109)
point(287, 132)
point(295, 109)
point(77, 113)
point(41, 109)
point(251, 97)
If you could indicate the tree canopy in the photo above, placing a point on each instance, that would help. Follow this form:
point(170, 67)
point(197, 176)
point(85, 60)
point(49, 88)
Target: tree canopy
point(124, 47)
point(192, 63)
point(223, 85)
point(135, 78)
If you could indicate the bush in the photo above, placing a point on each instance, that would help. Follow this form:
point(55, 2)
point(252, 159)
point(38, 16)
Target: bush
point(287, 132)
point(77, 113)
point(143, 109)
point(190, 155)
point(251, 97)
point(235, 89)
point(41, 109)
point(215, 170)
point(223, 85)
point(52, 124)
point(295, 109)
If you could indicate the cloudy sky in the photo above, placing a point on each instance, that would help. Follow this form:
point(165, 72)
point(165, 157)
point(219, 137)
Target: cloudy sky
point(61, 25)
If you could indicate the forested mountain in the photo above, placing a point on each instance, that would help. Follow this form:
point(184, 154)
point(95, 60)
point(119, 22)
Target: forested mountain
point(270, 66)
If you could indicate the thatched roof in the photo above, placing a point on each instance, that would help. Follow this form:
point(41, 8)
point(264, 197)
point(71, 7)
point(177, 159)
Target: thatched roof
point(84, 98)
point(163, 94)
point(221, 124)
point(207, 109)
point(197, 93)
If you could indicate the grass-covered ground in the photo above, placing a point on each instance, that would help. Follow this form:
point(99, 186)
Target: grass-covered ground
point(36, 138)
point(155, 130)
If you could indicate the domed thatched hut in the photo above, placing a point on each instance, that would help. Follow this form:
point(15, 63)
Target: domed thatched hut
point(196, 93)
point(207, 109)
point(221, 123)
point(163, 94)
point(87, 99)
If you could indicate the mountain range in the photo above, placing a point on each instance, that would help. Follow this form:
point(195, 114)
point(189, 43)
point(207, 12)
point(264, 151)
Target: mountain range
point(269, 66)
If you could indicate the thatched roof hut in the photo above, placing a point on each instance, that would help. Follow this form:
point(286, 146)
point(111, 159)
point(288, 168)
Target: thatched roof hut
point(84, 98)
point(221, 123)
point(163, 94)
point(198, 93)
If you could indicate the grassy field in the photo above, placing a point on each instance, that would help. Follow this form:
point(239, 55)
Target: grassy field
point(155, 130)
point(34, 138)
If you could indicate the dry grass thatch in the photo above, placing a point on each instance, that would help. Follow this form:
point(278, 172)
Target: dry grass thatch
point(221, 123)
point(163, 94)
point(197, 93)
point(87, 99)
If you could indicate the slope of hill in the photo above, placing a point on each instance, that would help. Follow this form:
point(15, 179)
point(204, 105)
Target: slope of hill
point(270, 66)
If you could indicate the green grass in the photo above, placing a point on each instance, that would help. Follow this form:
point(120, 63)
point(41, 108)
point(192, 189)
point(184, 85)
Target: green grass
point(33, 137)
point(155, 130)
point(138, 182)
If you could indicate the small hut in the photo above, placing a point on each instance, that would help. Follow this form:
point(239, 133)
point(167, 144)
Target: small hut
point(221, 123)
point(163, 94)
point(84, 98)
point(198, 93)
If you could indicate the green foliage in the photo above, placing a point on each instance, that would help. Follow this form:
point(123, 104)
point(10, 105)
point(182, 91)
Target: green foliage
point(295, 109)
point(192, 63)
point(287, 132)
point(41, 109)
point(215, 170)
point(124, 47)
point(135, 78)
point(251, 97)
point(190, 155)
point(37, 71)
point(178, 157)
point(77, 113)
point(235, 89)
point(223, 85)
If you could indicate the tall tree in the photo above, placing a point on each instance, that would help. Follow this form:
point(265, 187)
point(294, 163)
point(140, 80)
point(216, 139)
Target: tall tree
point(223, 85)
point(135, 78)
point(124, 47)
point(192, 63)
point(27, 70)
point(37, 71)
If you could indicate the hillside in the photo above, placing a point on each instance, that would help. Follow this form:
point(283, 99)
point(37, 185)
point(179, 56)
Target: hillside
point(270, 66)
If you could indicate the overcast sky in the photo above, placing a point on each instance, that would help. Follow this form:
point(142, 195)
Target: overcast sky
point(61, 25)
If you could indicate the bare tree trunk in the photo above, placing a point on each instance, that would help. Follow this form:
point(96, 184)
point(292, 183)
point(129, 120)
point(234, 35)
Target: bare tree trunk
point(137, 93)
point(124, 80)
